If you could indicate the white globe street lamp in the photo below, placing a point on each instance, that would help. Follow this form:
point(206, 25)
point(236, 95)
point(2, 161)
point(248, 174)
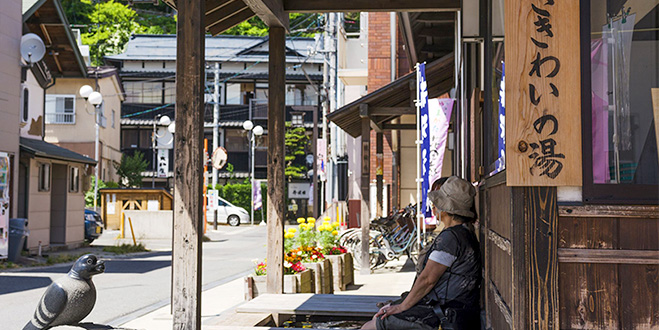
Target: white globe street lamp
point(248, 125)
point(258, 130)
point(95, 98)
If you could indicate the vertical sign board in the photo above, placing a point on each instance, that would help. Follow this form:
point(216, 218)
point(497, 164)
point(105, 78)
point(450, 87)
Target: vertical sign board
point(543, 93)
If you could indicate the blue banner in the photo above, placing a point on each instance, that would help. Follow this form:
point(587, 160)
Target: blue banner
point(500, 163)
point(422, 94)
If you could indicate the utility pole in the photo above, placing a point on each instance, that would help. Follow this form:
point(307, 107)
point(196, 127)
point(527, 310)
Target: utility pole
point(216, 118)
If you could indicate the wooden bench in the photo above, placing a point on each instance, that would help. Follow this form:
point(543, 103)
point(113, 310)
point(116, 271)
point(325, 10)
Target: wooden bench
point(315, 304)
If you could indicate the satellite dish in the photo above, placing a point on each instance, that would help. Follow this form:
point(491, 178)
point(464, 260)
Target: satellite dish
point(32, 48)
point(219, 158)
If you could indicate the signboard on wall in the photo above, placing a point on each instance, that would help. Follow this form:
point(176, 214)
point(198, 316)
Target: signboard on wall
point(543, 93)
point(163, 163)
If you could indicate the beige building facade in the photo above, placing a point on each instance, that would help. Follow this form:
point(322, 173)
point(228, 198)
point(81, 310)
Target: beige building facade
point(70, 118)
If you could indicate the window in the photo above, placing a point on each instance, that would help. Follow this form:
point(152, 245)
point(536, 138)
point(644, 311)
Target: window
point(297, 119)
point(143, 92)
point(25, 101)
point(74, 179)
point(170, 92)
point(44, 177)
point(102, 120)
point(129, 138)
point(619, 111)
point(236, 140)
point(234, 96)
point(146, 137)
point(60, 109)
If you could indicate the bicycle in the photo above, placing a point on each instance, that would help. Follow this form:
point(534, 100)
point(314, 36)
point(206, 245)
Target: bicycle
point(389, 238)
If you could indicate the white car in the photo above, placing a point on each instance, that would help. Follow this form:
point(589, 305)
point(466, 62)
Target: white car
point(228, 213)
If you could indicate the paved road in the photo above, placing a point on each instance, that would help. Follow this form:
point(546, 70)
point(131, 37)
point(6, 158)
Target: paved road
point(132, 285)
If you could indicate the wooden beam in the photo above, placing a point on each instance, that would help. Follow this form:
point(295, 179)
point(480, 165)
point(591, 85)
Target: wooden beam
point(391, 111)
point(375, 126)
point(188, 173)
point(608, 256)
point(365, 185)
point(276, 126)
point(408, 37)
point(225, 12)
point(314, 6)
point(270, 11)
point(399, 126)
point(213, 5)
point(230, 21)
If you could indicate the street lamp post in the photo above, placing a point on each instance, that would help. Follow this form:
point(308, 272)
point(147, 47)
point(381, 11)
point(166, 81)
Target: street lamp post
point(253, 131)
point(164, 121)
point(95, 98)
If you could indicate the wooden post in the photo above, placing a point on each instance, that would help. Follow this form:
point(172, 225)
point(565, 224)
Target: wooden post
point(366, 178)
point(276, 126)
point(535, 258)
point(188, 176)
point(379, 171)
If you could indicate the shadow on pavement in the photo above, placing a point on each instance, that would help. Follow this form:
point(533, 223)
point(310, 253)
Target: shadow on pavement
point(114, 267)
point(11, 284)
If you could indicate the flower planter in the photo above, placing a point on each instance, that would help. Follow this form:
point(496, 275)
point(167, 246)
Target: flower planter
point(343, 271)
point(322, 275)
point(301, 282)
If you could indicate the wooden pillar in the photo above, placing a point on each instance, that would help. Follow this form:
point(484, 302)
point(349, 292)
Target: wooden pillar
point(188, 175)
point(276, 127)
point(365, 183)
point(535, 258)
point(379, 172)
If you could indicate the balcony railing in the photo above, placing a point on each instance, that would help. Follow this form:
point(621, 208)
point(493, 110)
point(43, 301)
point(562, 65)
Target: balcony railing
point(60, 118)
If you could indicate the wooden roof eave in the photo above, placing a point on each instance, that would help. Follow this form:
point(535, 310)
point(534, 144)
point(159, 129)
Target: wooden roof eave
point(439, 75)
point(72, 42)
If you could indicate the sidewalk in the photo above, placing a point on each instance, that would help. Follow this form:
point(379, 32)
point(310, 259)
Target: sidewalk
point(395, 278)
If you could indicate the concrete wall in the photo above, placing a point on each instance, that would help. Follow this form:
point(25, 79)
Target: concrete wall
point(40, 208)
point(38, 214)
point(33, 127)
point(10, 76)
point(149, 224)
point(80, 136)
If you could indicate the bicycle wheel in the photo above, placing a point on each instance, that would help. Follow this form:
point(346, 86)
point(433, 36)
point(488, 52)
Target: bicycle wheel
point(376, 259)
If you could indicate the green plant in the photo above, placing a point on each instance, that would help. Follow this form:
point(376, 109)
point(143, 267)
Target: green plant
point(89, 194)
point(328, 234)
point(307, 232)
point(62, 258)
point(239, 194)
point(130, 169)
point(296, 141)
point(125, 248)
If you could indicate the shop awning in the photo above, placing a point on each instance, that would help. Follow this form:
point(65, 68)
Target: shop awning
point(44, 149)
point(394, 99)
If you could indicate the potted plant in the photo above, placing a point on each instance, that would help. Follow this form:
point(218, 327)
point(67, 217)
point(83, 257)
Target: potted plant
point(339, 257)
point(303, 248)
point(297, 279)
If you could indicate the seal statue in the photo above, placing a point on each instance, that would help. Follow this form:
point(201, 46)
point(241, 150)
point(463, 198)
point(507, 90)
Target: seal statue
point(69, 299)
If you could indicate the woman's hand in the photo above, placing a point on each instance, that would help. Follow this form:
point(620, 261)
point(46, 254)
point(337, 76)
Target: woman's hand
point(390, 310)
point(382, 310)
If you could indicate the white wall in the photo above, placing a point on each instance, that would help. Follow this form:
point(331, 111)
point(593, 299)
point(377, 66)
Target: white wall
point(33, 127)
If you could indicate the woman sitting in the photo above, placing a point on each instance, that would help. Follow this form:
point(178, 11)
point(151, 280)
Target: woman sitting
point(447, 291)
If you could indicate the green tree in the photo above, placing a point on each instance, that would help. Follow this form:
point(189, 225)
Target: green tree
point(296, 141)
point(110, 26)
point(302, 25)
point(130, 169)
point(89, 194)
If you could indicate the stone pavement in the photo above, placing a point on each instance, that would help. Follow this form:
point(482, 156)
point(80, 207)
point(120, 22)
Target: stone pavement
point(395, 278)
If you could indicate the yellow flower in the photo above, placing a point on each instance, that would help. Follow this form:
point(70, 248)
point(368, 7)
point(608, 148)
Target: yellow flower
point(289, 235)
point(311, 220)
point(336, 224)
point(335, 232)
point(292, 230)
point(300, 220)
point(327, 219)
